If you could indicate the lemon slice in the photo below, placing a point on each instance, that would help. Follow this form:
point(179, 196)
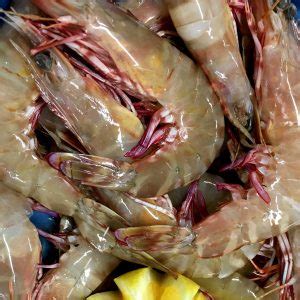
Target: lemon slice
point(141, 284)
point(106, 296)
point(180, 288)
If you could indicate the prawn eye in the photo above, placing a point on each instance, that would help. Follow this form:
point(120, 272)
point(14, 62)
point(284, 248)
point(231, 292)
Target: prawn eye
point(43, 61)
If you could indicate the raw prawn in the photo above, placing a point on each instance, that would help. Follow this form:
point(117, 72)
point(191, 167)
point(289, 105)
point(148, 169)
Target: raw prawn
point(20, 246)
point(148, 68)
point(249, 220)
point(102, 132)
point(81, 270)
point(207, 28)
point(187, 264)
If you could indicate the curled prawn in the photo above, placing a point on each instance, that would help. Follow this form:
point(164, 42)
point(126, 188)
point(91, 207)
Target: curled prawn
point(207, 28)
point(102, 132)
point(250, 219)
point(149, 68)
point(19, 265)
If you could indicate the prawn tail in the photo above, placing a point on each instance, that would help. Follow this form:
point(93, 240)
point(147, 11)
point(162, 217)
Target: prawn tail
point(94, 170)
point(156, 238)
point(220, 90)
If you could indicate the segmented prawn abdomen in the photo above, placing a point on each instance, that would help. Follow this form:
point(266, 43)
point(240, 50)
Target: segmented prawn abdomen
point(207, 29)
point(18, 264)
point(280, 87)
point(81, 270)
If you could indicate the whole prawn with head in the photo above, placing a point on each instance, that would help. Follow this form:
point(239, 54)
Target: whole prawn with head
point(250, 219)
point(108, 129)
point(207, 28)
point(150, 69)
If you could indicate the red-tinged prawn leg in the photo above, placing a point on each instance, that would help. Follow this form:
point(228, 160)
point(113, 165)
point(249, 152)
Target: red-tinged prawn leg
point(153, 135)
point(286, 267)
point(193, 208)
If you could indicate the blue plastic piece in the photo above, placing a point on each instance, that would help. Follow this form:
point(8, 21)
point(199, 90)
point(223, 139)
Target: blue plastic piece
point(48, 224)
point(4, 4)
point(44, 222)
point(297, 3)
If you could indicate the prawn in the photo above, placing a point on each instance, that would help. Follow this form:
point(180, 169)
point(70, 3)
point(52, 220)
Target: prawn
point(149, 68)
point(248, 220)
point(102, 132)
point(19, 265)
point(207, 28)
point(187, 264)
point(81, 270)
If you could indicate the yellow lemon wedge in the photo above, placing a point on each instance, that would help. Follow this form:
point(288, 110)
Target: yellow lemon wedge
point(141, 284)
point(106, 296)
point(147, 284)
point(180, 288)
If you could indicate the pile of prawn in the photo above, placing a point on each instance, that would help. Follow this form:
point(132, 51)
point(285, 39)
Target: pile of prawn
point(162, 133)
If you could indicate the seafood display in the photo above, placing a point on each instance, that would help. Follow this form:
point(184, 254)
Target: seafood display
point(146, 135)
